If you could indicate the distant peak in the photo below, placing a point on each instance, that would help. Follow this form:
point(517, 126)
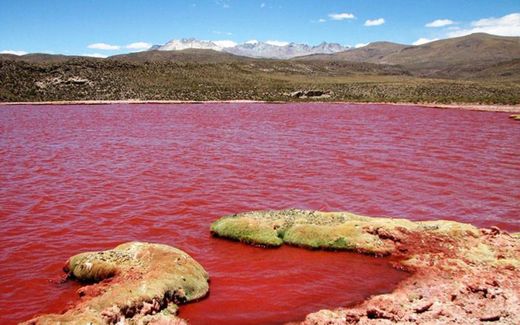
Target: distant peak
point(255, 48)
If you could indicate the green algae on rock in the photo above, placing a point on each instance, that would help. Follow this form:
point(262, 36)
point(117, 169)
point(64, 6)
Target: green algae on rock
point(136, 283)
point(461, 274)
point(327, 230)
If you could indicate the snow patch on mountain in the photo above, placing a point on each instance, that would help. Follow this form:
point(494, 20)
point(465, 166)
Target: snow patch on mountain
point(253, 48)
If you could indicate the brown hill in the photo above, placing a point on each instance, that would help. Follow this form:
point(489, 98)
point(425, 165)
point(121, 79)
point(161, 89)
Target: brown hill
point(188, 55)
point(372, 53)
point(39, 57)
point(460, 57)
point(475, 48)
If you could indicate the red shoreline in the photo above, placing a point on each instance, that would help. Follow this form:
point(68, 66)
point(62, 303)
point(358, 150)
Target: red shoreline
point(463, 106)
point(513, 109)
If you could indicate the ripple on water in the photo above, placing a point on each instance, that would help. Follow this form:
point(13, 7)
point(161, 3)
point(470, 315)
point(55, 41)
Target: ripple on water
point(76, 178)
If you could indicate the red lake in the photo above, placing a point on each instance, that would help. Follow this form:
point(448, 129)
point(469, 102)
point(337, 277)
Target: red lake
point(89, 177)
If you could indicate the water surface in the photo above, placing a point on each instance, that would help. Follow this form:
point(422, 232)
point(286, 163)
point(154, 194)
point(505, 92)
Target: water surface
point(76, 178)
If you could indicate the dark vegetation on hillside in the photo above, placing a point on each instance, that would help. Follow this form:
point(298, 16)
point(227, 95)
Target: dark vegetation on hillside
point(446, 76)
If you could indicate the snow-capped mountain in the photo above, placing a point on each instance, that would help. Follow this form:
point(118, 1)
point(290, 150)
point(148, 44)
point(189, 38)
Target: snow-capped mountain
point(189, 43)
point(291, 50)
point(254, 49)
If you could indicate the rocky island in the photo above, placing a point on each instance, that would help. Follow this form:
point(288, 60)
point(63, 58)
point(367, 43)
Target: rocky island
point(134, 283)
point(460, 274)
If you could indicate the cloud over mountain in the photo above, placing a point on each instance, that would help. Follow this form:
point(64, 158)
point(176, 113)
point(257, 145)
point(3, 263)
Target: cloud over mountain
point(424, 40)
point(138, 46)
point(374, 22)
point(104, 46)
point(508, 25)
point(14, 52)
point(440, 23)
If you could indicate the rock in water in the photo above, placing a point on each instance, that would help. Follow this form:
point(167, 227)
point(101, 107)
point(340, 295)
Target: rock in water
point(461, 274)
point(134, 283)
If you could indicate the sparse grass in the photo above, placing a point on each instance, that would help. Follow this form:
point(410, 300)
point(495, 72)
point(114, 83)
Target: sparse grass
point(248, 79)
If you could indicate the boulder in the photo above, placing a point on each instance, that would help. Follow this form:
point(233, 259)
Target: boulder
point(134, 283)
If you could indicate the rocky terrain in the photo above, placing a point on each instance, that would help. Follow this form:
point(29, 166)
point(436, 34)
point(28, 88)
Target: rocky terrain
point(134, 283)
point(460, 274)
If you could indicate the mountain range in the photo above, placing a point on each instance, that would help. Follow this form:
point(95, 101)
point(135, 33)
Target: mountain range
point(472, 52)
point(460, 57)
point(253, 49)
point(442, 57)
point(472, 48)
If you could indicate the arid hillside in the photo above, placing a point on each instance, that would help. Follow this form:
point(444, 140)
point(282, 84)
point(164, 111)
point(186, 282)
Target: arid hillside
point(478, 68)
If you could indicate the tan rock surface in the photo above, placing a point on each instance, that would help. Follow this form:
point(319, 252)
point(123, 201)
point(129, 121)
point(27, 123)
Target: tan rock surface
point(134, 283)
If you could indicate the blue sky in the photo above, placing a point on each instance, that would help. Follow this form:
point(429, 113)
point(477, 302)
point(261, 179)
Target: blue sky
point(107, 27)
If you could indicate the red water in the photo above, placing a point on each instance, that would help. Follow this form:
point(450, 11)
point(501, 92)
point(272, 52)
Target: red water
point(76, 178)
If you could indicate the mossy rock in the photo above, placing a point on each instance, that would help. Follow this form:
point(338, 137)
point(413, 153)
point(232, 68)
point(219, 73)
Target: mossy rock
point(330, 230)
point(134, 282)
point(250, 231)
point(454, 266)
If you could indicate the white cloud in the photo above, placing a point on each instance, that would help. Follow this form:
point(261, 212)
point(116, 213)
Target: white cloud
point(341, 16)
point(94, 55)
point(14, 52)
point(221, 33)
point(375, 22)
point(321, 20)
point(222, 3)
point(424, 40)
point(139, 46)
point(440, 23)
point(508, 25)
point(361, 45)
point(104, 46)
point(253, 41)
point(453, 28)
point(225, 43)
point(277, 43)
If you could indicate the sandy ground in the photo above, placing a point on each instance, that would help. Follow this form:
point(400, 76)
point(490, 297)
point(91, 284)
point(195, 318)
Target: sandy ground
point(514, 109)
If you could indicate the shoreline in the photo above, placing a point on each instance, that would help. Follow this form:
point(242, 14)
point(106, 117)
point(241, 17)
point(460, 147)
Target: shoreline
point(458, 273)
point(464, 106)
